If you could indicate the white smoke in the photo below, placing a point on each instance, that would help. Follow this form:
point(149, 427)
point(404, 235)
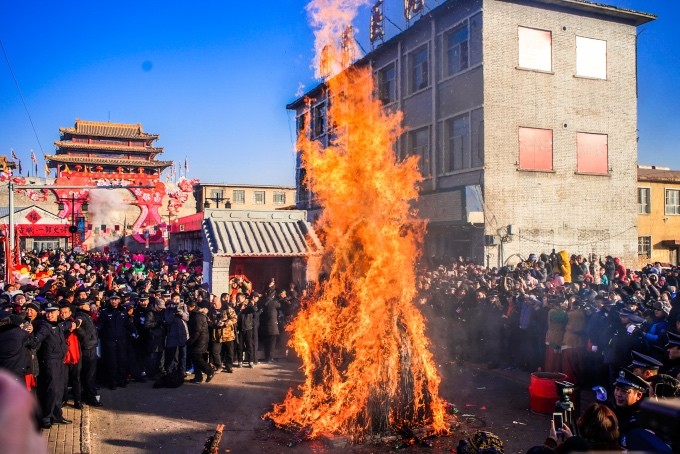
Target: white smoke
point(106, 207)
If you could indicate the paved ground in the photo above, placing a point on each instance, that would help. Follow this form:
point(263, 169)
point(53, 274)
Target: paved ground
point(142, 419)
point(69, 438)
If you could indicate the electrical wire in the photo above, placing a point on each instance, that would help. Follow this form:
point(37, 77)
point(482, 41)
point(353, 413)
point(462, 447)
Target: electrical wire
point(21, 96)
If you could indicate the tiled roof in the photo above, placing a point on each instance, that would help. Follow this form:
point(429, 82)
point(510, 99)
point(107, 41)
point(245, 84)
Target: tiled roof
point(4, 211)
point(105, 146)
point(67, 159)
point(105, 129)
point(658, 175)
point(260, 234)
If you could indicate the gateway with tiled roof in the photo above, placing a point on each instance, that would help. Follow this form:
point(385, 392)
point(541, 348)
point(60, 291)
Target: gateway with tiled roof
point(106, 150)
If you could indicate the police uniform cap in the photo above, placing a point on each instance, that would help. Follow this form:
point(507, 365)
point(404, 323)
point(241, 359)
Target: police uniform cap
point(644, 361)
point(673, 340)
point(143, 297)
point(50, 307)
point(129, 304)
point(113, 295)
point(627, 379)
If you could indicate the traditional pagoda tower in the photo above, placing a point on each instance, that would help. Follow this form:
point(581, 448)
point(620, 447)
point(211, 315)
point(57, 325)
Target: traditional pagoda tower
point(110, 154)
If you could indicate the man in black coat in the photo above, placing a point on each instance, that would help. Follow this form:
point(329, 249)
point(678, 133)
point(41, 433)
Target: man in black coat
point(13, 345)
point(88, 339)
point(198, 342)
point(50, 337)
point(114, 328)
point(270, 315)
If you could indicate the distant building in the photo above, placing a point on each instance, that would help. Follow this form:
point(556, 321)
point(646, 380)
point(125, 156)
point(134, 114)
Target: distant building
point(524, 116)
point(658, 197)
point(187, 231)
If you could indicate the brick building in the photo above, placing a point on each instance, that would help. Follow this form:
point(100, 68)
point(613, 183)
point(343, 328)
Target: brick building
point(658, 211)
point(524, 116)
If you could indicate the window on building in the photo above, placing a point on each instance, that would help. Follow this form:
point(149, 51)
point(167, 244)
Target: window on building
point(419, 69)
point(535, 49)
point(644, 203)
point(672, 201)
point(259, 197)
point(477, 138)
point(535, 149)
point(418, 142)
point(645, 246)
point(457, 150)
point(476, 39)
point(319, 118)
point(279, 198)
point(387, 84)
point(456, 45)
point(591, 153)
point(591, 58)
point(238, 196)
point(217, 194)
point(301, 123)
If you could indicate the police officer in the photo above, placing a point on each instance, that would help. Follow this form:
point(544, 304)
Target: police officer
point(672, 365)
point(644, 366)
point(114, 329)
point(88, 338)
point(628, 392)
point(50, 336)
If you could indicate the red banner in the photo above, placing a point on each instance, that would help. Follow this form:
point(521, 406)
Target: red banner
point(42, 230)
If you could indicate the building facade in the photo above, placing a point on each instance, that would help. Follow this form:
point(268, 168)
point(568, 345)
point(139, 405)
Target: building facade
point(658, 197)
point(523, 115)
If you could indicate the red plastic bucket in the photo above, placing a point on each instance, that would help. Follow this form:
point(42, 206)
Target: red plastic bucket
point(543, 391)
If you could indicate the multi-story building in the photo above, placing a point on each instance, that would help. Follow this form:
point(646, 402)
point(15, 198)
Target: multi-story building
point(658, 197)
point(523, 114)
point(243, 196)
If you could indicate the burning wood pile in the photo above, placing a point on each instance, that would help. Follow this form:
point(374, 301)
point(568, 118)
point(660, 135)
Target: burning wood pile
point(368, 369)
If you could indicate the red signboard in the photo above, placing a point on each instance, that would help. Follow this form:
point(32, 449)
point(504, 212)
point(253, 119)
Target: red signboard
point(42, 230)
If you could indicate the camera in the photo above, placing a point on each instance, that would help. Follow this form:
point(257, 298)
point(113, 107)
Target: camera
point(564, 390)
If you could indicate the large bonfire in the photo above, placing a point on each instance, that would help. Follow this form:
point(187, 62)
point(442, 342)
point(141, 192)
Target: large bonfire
point(361, 340)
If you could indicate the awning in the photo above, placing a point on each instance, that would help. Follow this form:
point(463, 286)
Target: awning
point(238, 233)
point(671, 243)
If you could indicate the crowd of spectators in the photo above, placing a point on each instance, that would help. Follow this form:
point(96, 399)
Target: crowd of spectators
point(604, 327)
point(72, 323)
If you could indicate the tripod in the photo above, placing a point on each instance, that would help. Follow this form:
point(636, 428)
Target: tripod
point(566, 406)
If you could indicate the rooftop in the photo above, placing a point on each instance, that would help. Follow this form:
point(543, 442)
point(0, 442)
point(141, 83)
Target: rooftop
point(108, 129)
point(68, 159)
point(658, 174)
point(106, 146)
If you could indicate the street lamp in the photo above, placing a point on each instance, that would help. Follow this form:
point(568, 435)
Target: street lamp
point(217, 199)
point(73, 228)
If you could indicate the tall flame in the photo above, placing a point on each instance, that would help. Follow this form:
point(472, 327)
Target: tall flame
point(362, 341)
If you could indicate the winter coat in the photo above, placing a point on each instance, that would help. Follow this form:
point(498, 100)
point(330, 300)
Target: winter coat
point(198, 332)
point(574, 331)
point(155, 331)
point(50, 336)
point(246, 317)
point(114, 325)
point(270, 316)
point(227, 331)
point(13, 344)
point(557, 320)
point(177, 333)
point(565, 266)
point(87, 331)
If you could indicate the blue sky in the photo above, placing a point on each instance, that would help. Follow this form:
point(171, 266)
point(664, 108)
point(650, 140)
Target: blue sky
point(213, 79)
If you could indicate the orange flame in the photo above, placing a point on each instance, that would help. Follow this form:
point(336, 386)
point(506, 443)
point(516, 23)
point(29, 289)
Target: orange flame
point(362, 341)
